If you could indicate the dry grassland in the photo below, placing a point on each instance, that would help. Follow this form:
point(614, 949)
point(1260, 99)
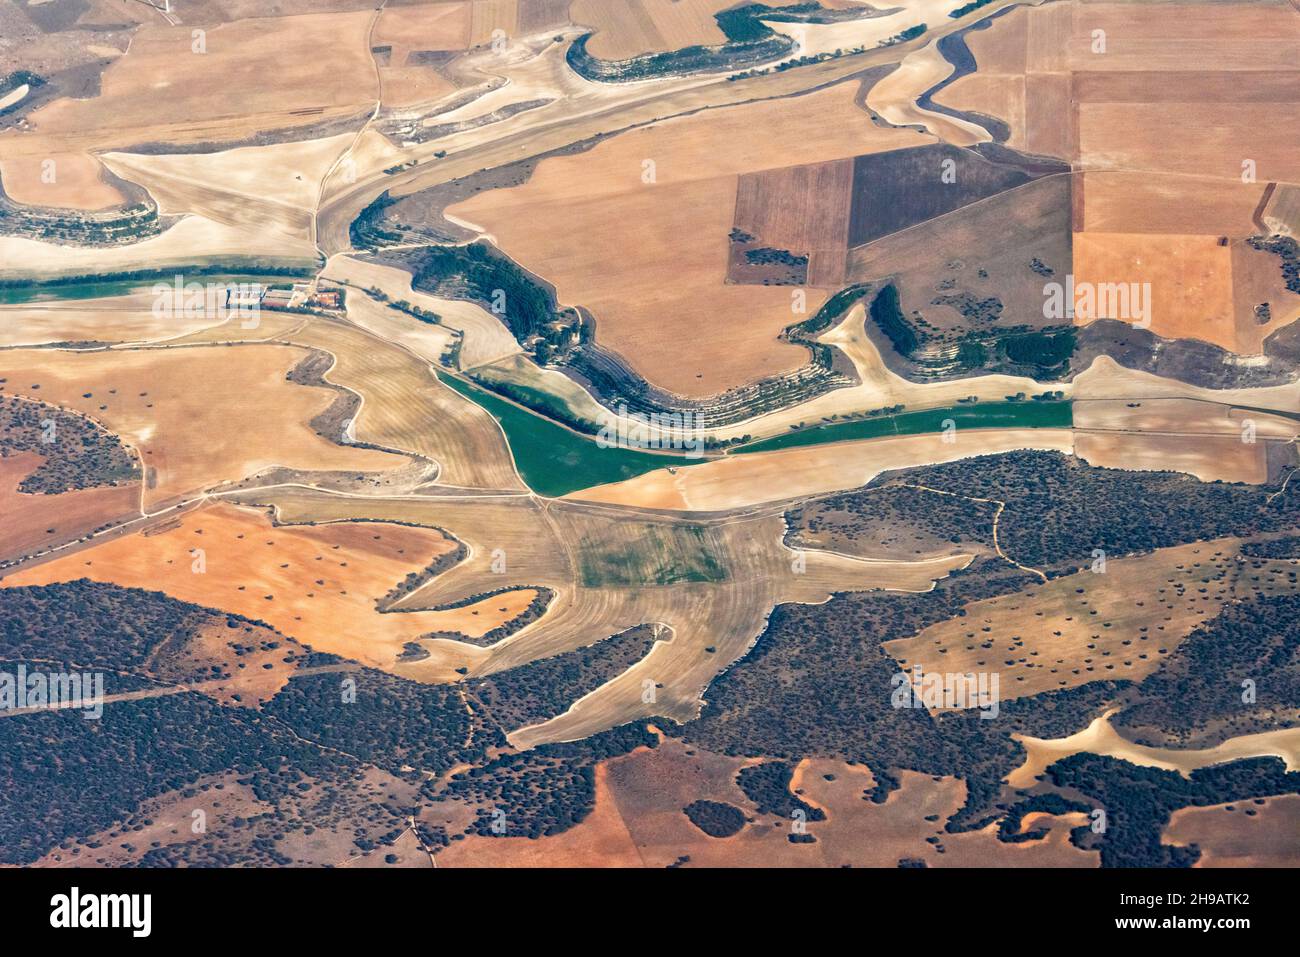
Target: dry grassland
point(1117, 625)
point(260, 189)
point(198, 416)
point(650, 260)
point(161, 91)
point(195, 240)
point(742, 481)
point(1107, 379)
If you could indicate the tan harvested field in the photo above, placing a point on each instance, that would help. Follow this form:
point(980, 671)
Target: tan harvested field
point(1107, 379)
point(709, 586)
point(318, 585)
point(801, 209)
point(1116, 201)
point(1190, 281)
point(650, 259)
point(75, 181)
point(1211, 458)
point(128, 318)
point(34, 521)
point(308, 87)
point(633, 27)
point(1258, 833)
point(1191, 417)
point(488, 16)
point(1168, 37)
point(1100, 737)
point(1151, 136)
point(1116, 625)
point(260, 189)
point(638, 822)
point(199, 416)
point(427, 26)
point(405, 408)
point(418, 29)
point(742, 481)
point(1213, 441)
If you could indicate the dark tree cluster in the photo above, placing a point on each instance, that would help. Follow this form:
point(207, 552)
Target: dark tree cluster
point(78, 453)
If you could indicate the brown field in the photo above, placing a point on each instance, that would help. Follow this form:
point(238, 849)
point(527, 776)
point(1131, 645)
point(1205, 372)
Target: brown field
point(1032, 222)
point(1152, 136)
point(1114, 201)
point(1282, 215)
point(1259, 833)
point(318, 585)
point(648, 26)
point(414, 29)
point(1211, 458)
point(1168, 37)
point(741, 481)
point(34, 521)
point(429, 26)
point(638, 821)
point(1088, 627)
point(653, 257)
point(199, 416)
point(1257, 278)
point(1190, 277)
point(801, 209)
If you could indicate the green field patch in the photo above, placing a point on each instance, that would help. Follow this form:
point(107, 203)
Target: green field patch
point(553, 460)
point(652, 554)
point(1026, 414)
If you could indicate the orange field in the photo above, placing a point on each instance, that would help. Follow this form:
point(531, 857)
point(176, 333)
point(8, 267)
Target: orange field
point(317, 584)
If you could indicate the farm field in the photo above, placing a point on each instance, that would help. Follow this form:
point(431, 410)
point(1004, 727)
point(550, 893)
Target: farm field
point(652, 434)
